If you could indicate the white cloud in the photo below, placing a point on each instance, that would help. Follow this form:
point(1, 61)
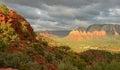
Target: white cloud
point(114, 12)
point(67, 14)
point(61, 11)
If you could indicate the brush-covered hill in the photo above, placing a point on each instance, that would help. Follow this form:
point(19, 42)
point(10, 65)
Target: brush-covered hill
point(22, 49)
point(13, 20)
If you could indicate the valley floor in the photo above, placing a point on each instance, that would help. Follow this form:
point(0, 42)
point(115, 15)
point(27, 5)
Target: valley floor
point(110, 43)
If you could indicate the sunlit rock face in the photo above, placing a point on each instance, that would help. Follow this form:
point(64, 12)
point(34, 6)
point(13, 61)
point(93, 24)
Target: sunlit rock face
point(95, 31)
point(83, 35)
point(17, 22)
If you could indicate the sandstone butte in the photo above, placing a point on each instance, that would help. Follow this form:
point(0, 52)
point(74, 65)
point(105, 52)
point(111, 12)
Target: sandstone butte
point(82, 35)
point(15, 20)
point(76, 35)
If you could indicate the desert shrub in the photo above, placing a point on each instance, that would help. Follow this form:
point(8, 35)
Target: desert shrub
point(8, 33)
point(58, 54)
point(38, 48)
point(64, 48)
point(3, 45)
point(24, 30)
point(77, 62)
point(15, 60)
point(105, 66)
point(19, 61)
point(31, 66)
point(2, 59)
point(86, 57)
point(4, 9)
point(67, 66)
point(45, 43)
point(49, 58)
point(29, 50)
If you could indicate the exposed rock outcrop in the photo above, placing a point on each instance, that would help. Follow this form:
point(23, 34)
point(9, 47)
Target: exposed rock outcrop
point(110, 29)
point(17, 22)
point(82, 35)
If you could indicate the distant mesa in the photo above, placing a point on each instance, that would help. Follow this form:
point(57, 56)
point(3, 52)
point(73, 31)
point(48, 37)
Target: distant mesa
point(17, 22)
point(94, 31)
point(81, 29)
point(76, 35)
point(110, 29)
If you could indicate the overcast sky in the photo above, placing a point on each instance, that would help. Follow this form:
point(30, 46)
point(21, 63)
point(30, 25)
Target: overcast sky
point(66, 14)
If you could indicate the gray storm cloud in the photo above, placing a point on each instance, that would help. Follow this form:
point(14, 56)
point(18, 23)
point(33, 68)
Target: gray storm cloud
point(66, 14)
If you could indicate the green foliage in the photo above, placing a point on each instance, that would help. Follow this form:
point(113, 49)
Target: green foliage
point(4, 9)
point(14, 60)
point(105, 66)
point(45, 43)
point(77, 62)
point(31, 66)
point(58, 53)
point(38, 48)
point(49, 58)
point(86, 57)
point(65, 48)
point(24, 29)
point(3, 44)
point(2, 59)
point(7, 34)
point(67, 66)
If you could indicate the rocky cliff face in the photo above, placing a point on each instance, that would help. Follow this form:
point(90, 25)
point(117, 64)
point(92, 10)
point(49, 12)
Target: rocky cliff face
point(94, 31)
point(83, 35)
point(111, 29)
point(17, 22)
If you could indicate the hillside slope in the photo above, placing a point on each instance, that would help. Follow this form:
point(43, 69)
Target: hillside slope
point(17, 22)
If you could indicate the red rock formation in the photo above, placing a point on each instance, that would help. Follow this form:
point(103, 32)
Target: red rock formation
point(16, 21)
point(75, 35)
point(116, 34)
point(79, 35)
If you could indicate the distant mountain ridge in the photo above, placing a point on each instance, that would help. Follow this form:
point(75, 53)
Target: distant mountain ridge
point(108, 28)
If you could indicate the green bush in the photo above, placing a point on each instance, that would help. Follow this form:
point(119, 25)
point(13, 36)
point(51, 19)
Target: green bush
point(77, 62)
point(8, 33)
point(19, 61)
point(4, 9)
point(67, 66)
point(31, 66)
point(105, 66)
point(58, 54)
point(24, 30)
point(65, 48)
point(49, 58)
point(45, 43)
point(3, 45)
point(38, 48)
point(15, 60)
point(2, 59)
